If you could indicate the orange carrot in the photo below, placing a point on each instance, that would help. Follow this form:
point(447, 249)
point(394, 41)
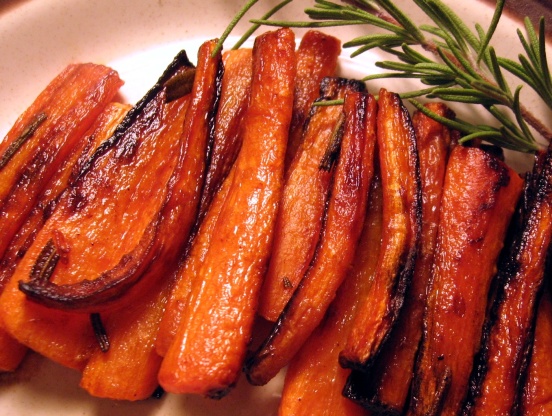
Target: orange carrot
point(211, 341)
point(344, 219)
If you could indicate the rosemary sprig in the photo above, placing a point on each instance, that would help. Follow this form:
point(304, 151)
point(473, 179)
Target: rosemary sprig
point(462, 66)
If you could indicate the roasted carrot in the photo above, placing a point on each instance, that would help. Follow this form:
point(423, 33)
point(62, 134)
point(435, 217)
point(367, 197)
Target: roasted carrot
point(496, 383)
point(128, 370)
point(537, 393)
point(334, 254)
point(476, 208)
point(314, 379)
point(63, 336)
point(211, 341)
point(104, 231)
point(234, 98)
point(44, 136)
point(301, 211)
point(398, 162)
point(316, 59)
point(385, 387)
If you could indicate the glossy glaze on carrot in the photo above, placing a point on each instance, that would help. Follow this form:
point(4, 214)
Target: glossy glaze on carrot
point(208, 350)
point(317, 56)
point(476, 208)
point(335, 252)
point(306, 191)
point(103, 228)
point(67, 337)
point(386, 386)
point(234, 98)
point(497, 380)
point(536, 399)
point(398, 161)
point(128, 370)
point(44, 136)
point(314, 379)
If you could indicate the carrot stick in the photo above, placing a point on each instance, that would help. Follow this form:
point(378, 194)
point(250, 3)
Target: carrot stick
point(314, 379)
point(234, 98)
point(211, 341)
point(344, 219)
point(316, 59)
point(45, 135)
point(508, 335)
point(537, 394)
point(301, 212)
point(128, 370)
point(476, 208)
point(387, 384)
point(401, 209)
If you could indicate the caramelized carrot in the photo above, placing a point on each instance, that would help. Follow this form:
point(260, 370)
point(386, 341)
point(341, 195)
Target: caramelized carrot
point(401, 210)
point(301, 212)
point(496, 382)
point(386, 385)
point(45, 135)
point(476, 207)
point(316, 59)
point(314, 379)
point(537, 393)
point(128, 370)
point(333, 257)
point(211, 341)
point(234, 98)
point(67, 337)
point(10, 352)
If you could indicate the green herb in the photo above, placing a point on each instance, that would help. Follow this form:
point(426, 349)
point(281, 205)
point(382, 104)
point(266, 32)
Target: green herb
point(453, 62)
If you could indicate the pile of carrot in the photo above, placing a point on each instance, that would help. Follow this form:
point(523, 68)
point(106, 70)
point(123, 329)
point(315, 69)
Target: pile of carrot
point(399, 271)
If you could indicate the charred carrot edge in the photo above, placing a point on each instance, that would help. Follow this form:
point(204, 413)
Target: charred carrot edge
point(314, 379)
point(316, 59)
point(128, 370)
point(211, 342)
point(95, 293)
point(333, 257)
point(537, 392)
point(498, 376)
point(68, 338)
point(477, 205)
point(305, 195)
point(398, 162)
point(45, 136)
point(386, 386)
point(234, 97)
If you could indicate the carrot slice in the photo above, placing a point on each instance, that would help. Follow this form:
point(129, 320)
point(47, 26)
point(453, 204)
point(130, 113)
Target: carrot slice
point(234, 98)
point(314, 379)
point(401, 207)
point(210, 345)
point(508, 333)
point(44, 136)
point(476, 208)
point(317, 56)
point(128, 370)
point(301, 212)
point(386, 385)
point(537, 394)
point(333, 257)
point(67, 337)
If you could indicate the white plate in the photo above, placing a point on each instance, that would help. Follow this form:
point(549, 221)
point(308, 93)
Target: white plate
point(138, 38)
